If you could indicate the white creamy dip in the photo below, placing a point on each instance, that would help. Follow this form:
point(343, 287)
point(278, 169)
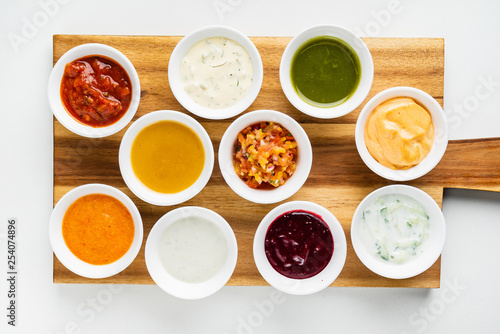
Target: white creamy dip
point(394, 228)
point(193, 249)
point(217, 72)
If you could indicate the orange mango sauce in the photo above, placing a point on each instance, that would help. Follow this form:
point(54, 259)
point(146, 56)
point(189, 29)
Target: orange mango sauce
point(399, 133)
point(98, 229)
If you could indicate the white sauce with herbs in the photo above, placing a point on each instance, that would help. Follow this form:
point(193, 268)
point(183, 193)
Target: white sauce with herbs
point(217, 72)
point(193, 249)
point(395, 228)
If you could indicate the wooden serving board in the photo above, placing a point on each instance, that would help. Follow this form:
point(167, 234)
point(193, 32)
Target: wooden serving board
point(339, 180)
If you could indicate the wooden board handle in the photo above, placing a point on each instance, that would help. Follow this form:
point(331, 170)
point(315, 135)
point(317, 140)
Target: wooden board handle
point(469, 164)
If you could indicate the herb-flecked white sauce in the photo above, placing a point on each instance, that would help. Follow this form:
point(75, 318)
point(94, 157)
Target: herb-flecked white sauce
point(217, 72)
point(395, 228)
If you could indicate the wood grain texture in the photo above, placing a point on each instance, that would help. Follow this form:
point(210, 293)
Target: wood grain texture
point(338, 180)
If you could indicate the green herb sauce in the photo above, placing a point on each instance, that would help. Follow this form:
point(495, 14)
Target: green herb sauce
point(325, 71)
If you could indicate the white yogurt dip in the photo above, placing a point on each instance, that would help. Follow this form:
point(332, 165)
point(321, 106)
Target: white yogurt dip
point(193, 249)
point(216, 72)
point(395, 228)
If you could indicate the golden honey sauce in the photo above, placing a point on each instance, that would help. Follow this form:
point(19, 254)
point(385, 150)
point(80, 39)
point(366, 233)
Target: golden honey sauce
point(399, 133)
point(167, 157)
point(98, 229)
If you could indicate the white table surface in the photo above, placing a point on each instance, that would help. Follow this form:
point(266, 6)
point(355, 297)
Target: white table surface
point(469, 297)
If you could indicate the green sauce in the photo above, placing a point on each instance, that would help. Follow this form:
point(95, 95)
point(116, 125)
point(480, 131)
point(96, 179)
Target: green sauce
point(325, 71)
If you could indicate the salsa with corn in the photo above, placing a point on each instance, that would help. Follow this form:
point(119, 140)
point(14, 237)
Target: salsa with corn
point(265, 155)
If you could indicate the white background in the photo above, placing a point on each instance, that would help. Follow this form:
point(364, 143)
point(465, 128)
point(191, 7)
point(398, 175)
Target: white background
point(469, 299)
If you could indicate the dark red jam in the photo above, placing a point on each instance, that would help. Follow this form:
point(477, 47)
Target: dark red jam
point(298, 244)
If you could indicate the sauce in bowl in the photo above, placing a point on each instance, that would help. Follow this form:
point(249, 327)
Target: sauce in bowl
point(399, 133)
point(265, 155)
point(217, 72)
point(299, 244)
point(325, 71)
point(96, 90)
point(98, 229)
point(193, 249)
point(167, 156)
point(395, 228)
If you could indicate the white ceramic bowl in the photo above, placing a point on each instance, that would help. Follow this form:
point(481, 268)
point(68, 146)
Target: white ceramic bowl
point(433, 245)
point(174, 69)
point(308, 285)
point(174, 286)
point(137, 187)
point(54, 90)
point(292, 185)
point(365, 60)
point(440, 134)
point(67, 258)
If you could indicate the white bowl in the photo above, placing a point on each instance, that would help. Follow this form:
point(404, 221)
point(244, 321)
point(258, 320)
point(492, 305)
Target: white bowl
point(174, 69)
point(292, 185)
point(365, 60)
point(67, 258)
point(440, 134)
point(433, 247)
point(136, 186)
point(308, 285)
point(171, 284)
point(54, 90)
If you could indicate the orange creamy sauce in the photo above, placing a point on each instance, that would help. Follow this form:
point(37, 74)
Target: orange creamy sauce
point(98, 229)
point(399, 133)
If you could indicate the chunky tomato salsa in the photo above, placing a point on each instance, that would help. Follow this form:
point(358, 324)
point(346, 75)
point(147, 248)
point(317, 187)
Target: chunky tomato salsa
point(265, 154)
point(96, 90)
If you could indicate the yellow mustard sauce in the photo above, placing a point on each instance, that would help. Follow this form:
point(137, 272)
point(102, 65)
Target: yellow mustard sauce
point(167, 157)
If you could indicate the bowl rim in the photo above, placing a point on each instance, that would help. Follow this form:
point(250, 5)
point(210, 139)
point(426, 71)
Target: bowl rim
point(416, 266)
point(349, 38)
point(439, 144)
point(174, 286)
point(308, 285)
point(293, 184)
point(133, 182)
point(185, 45)
point(63, 253)
point(54, 88)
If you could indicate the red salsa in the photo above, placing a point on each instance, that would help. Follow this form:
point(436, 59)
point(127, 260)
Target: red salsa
point(96, 90)
point(299, 244)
